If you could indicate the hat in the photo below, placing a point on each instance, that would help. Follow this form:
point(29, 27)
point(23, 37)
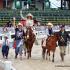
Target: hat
point(29, 14)
point(50, 24)
point(62, 26)
point(19, 24)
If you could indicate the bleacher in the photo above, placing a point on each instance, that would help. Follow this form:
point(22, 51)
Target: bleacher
point(53, 15)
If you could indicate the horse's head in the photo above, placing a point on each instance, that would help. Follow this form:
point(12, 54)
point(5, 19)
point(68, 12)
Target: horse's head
point(54, 37)
point(29, 29)
point(29, 32)
point(57, 37)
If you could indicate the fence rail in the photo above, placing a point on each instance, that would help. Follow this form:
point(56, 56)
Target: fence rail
point(55, 16)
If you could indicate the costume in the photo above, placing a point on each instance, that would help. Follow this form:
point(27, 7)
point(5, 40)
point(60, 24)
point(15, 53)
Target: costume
point(19, 38)
point(28, 21)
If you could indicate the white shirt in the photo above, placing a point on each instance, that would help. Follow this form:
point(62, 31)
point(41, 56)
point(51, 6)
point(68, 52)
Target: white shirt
point(47, 32)
point(29, 22)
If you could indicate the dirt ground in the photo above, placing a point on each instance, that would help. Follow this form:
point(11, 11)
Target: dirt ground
point(37, 63)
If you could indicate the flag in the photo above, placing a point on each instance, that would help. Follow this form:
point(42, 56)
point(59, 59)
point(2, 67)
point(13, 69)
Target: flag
point(14, 44)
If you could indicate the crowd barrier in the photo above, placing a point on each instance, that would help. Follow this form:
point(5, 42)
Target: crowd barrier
point(40, 32)
point(6, 65)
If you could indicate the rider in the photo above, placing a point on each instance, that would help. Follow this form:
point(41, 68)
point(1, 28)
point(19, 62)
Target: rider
point(49, 30)
point(19, 38)
point(29, 20)
point(63, 41)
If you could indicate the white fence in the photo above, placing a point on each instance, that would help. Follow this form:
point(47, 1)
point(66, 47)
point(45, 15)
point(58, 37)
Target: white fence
point(6, 65)
point(40, 32)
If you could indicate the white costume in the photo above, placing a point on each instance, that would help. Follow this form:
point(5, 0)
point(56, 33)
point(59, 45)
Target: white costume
point(29, 22)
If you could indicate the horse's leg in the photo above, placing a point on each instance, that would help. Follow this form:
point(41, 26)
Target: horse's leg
point(25, 51)
point(28, 52)
point(48, 53)
point(28, 55)
point(31, 49)
point(43, 52)
point(53, 57)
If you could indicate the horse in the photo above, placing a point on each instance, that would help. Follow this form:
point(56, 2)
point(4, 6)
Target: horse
point(29, 41)
point(51, 44)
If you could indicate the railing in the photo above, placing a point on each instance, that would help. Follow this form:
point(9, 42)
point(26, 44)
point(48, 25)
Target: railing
point(55, 16)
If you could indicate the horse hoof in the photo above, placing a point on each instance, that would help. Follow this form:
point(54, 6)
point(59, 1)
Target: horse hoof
point(43, 58)
point(46, 58)
point(25, 54)
point(62, 60)
point(27, 57)
point(52, 60)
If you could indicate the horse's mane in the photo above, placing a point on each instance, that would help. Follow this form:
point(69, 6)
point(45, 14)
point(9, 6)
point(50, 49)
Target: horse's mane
point(54, 37)
point(30, 31)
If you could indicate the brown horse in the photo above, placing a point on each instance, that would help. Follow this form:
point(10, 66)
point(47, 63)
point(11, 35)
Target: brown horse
point(51, 44)
point(29, 41)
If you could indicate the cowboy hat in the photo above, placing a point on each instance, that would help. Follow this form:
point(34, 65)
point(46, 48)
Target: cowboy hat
point(50, 24)
point(19, 24)
point(29, 14)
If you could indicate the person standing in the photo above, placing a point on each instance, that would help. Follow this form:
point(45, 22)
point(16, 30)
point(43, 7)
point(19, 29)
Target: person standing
point(63, 41)
point(5, 48)
point(19, 38)
point(5, 45)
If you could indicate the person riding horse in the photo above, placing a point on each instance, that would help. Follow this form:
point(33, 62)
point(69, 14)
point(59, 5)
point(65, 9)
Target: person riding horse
point(63, 41)
point(45, 40)
point(49, 30)
point(29, 40)
point(51, 42)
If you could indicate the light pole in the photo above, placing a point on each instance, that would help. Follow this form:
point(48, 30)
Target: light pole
point(18, 4)
point(47, 4)
point(6, 3)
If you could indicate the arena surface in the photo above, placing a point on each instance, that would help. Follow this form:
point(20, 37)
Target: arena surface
point(37, 63)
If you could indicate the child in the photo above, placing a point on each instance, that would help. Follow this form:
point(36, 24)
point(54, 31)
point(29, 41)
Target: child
point(5, 48)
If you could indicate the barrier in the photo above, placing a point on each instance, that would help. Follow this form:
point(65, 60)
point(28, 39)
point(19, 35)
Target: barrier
point(6, 65)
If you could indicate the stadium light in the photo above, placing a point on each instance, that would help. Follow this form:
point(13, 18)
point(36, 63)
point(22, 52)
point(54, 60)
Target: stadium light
point(18, 4)
point(47, 4)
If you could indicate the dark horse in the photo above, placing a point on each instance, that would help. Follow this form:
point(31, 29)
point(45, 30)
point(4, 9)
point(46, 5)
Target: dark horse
point(51, 44)
point(29, 41)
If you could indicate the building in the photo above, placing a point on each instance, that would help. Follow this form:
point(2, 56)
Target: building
point(34, 4)
point(5, 4)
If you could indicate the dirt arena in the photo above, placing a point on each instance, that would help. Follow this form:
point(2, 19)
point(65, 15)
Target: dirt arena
point(37, 63)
